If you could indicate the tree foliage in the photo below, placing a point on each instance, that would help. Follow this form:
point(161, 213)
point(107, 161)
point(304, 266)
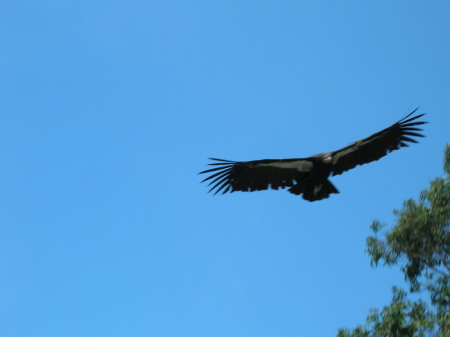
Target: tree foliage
point(420, 244)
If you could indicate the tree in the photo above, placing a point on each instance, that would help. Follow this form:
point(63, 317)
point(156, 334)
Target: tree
point(420, 243)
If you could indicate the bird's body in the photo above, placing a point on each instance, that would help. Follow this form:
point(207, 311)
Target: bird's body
point(309, 176)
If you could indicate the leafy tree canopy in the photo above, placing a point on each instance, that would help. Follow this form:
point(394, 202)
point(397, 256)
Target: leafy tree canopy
point(419, 243)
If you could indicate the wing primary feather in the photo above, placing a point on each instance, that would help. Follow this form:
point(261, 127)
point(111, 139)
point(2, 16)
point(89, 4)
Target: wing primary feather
point(412, 112)
point(408, 139)
point(404, 120)
point(227, 189)
point(415, 134)
point(217, 169)
point(223, 164)
point(223, 181)
point(411, 129)
point(414, 124)
point(217, 176)
point(225, 184)
point(224, 174)
point(224, 160)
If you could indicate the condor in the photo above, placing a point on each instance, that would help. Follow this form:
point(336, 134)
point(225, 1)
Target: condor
point(309, 176)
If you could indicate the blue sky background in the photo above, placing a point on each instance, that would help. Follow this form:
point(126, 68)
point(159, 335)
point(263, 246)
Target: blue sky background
point(109, 109)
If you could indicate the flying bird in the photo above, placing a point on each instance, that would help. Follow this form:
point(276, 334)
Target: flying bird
point(309, 176)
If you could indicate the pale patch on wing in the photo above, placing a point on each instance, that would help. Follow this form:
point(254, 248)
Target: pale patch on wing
point(299, 165)
point(350, 149)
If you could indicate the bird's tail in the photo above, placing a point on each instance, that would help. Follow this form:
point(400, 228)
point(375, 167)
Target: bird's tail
point(314, 190)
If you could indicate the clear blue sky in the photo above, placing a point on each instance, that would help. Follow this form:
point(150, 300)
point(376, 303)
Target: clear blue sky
point(109, 109)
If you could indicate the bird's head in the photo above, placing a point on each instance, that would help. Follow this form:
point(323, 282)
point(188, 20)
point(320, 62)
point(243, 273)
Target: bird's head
point(327, 159)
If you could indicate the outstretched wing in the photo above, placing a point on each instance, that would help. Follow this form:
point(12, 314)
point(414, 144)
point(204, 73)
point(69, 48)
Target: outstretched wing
point(378, 145)
point(257, 175)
